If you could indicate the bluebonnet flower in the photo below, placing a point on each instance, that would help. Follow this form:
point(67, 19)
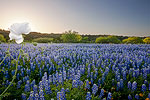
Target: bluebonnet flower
point(134, 74)
point(64, 75)
point(60, 80)
point(144, 74)
point(41, 94)
point(118, 77)
point(143, 88)
point(91, 80)
point(18, 75)
point(89, 71)
point(59, 96)
point(27, 88)
point(129, 85)
point(67, 89)
point(13, 72)
point(64, 95)
point(22, 72)
point(94, 89)
point(48, 89)
point(121, 83)
point(31, 97)
point(32, 83)
point(137, 97)
point(54, 79)
point(77, 78)
point(87, 86)
point(101, 93)
point(19, 84)
point(148, 95)
point(124, 75)
point(103, 78)
point(35, 89)
point(129, 97)
point(80, 83)
point(109, 96)
point(145, 82)
point(28, 71)
point(24, 96)
point(50, 79)
point(41, 97)
point(36, 96)
point(134, 86)
point(88, 96)
point(74, 84)
point(118, 86)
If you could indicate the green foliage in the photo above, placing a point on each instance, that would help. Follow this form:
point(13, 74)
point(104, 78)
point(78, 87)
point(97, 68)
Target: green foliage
point(2, 39)
point(85, 40)
point(101, 40)
point(113, 39)
point(71, 37)
point(133, 40)
point(109, 39)
point(43, 40)
point(147, 40)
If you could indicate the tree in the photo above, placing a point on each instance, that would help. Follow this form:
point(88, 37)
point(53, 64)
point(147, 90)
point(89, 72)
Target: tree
point(147, 40)
point(101, 40)
point(2, 39)
point(71, 37)
point(109, 39)
point(85, 39)
point(132, 40)
point(113, 39)
point(43, 40)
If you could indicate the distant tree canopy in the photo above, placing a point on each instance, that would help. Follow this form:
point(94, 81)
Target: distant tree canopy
point(109, 39)
point(2, 39)
point(43, 40)
point(71, 37)
point(74, 37)
point(133, 40)
point(147, 40)
point(85, 39)
point(101, 40)
point(113, 39)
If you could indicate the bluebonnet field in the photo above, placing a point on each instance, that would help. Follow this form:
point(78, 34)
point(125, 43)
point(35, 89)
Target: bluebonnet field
point(77, 71)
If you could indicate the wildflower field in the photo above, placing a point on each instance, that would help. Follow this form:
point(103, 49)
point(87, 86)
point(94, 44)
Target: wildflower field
point(75, 71)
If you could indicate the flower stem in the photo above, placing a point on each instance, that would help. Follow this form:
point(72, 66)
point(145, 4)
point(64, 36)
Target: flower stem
point(14, 77)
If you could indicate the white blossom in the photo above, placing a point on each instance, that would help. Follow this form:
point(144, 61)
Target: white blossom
point(16, 31)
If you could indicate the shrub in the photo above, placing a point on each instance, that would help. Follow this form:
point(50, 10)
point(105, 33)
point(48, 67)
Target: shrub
point(133, 40)
point(109, 39)
point(2, 39)
point(147, 40)
point(113, 39)
point(85, 40)
point(71, 37)
point(43, 40)
point(101, 40)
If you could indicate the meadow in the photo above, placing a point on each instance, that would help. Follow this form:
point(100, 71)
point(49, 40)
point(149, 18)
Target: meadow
point(76, 71)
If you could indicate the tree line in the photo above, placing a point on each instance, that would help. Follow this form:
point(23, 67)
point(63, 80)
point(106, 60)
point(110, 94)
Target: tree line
point(74, 37)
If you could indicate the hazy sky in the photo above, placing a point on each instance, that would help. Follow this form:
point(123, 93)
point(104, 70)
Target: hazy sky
point(118, 17)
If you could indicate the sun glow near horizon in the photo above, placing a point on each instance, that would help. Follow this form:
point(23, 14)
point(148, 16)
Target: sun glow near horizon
point(90, 17)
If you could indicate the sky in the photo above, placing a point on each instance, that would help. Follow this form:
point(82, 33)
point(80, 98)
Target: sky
point(109, 17)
